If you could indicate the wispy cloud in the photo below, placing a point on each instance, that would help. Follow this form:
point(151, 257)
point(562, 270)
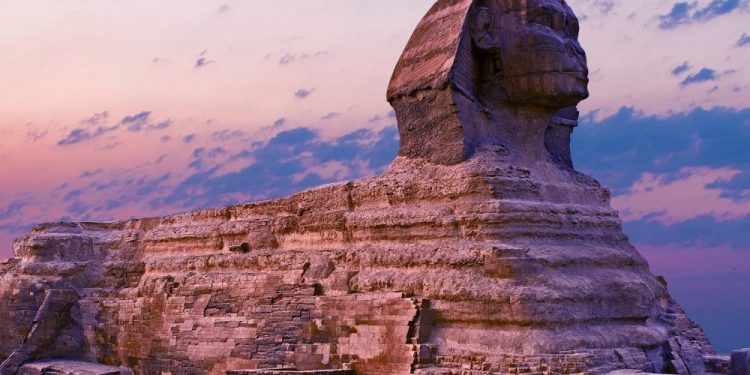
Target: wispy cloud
point(13, 214)
point(223, 9)
point(135, 122)
point(682, 68)
point(704, 75)
point(96, 126)
point(227, 135)
point(91, 173)
point(96, 119)
point(743, 41)
point(330, 115)
point(716, 8)
point(303, 93)
point(32, 136)
point(289, 58)
point(279, 122)
point(679, 15)
point(683, 13)
point(604, 6)
point(79, 135)
point(202, 61)
point(160, 125)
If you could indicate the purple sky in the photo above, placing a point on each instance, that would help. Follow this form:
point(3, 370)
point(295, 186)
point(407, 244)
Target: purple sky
point(114, 109)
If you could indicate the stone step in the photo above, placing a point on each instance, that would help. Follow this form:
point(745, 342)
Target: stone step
point(70, 367)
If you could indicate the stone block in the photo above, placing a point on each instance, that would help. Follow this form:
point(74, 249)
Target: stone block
point(70, 367)
point(718, 364)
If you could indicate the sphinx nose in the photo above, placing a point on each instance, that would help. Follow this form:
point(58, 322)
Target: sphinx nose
point(578, 55)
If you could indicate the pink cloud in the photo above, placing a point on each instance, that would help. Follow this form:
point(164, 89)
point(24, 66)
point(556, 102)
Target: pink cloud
point(674, 200)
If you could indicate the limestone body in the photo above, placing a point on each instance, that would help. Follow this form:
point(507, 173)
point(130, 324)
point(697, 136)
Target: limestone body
point(479, 251)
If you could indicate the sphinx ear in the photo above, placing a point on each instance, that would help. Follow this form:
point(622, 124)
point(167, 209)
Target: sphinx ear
point(482, 22)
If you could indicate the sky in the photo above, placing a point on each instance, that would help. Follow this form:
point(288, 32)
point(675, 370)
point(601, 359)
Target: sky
point(112, 110)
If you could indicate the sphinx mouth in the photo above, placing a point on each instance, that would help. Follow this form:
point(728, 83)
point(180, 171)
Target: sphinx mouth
point(577, 74)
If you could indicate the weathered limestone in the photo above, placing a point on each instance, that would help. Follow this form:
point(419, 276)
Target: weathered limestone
point(718, 364)
point(69, 367)
point(513, 284)
point(480, 251)
point(45, 331)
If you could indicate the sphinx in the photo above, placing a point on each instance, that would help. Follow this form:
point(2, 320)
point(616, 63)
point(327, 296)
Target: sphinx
point(480, 250)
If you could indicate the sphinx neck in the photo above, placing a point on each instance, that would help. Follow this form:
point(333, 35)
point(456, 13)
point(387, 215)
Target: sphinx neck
point(521, 131)
point(447, 127)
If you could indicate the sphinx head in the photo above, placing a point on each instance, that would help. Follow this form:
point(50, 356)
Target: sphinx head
point(528, 53)
point(481, 73)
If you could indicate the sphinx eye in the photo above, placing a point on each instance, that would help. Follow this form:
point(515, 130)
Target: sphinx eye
point(542, 17)
point(548, 18)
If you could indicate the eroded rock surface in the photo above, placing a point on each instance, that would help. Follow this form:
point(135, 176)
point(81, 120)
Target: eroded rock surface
point(480, 251)
point(70, 367)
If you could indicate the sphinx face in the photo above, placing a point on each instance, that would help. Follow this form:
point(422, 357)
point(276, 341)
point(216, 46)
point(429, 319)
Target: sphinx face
point(531, 51)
